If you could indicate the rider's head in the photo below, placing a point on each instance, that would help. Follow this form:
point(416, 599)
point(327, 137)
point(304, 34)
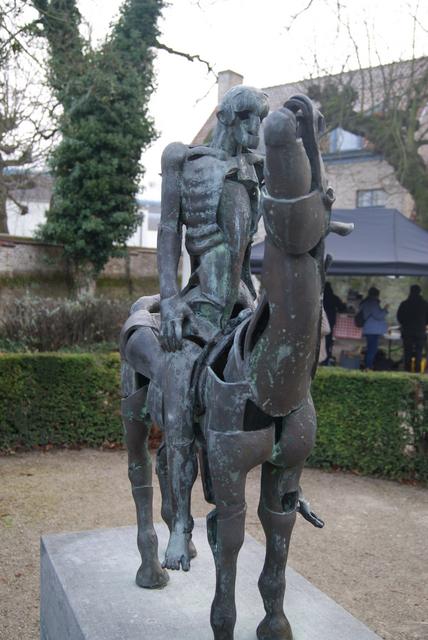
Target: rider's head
point(241, 112)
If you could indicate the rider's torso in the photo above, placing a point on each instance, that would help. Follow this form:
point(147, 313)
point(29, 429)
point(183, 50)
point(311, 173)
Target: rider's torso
point(203, 178)
point(218, 210)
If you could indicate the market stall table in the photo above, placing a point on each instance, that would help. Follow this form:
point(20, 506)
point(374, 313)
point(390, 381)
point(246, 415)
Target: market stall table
point(346, 328)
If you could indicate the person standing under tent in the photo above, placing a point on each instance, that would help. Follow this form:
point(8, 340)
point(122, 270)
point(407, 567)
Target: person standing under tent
point(332, 306)
point(412, 315)
point(374, 324)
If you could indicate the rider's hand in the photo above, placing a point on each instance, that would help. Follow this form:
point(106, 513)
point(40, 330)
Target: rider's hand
point(174, 311)
point(280, 128)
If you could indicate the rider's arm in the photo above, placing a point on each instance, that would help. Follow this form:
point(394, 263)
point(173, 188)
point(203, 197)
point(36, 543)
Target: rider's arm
point(169, 234)
point(173, 310)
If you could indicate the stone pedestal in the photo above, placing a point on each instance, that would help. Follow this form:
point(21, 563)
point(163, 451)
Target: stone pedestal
point(88, 593)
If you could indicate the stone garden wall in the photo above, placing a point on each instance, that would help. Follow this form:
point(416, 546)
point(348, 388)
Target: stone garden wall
point(28, 266)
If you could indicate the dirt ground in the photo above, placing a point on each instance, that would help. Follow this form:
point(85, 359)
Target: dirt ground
point(371, 557)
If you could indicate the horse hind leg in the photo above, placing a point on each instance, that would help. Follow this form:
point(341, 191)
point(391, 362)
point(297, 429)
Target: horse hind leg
point(137, 429)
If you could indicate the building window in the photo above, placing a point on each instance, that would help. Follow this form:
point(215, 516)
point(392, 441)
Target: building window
point(341, 140)
point(371, 198)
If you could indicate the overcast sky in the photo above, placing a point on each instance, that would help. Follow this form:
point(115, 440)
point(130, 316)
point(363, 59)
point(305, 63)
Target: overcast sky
point(252, 37)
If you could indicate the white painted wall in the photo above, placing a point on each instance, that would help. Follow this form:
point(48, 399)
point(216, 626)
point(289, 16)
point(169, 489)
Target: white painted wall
point(26, 225)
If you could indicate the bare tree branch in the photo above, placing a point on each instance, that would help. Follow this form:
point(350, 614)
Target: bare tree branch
point(188, 56)
point(413, 11)
point(23, 208)
point(206, 93)
point(298, 14)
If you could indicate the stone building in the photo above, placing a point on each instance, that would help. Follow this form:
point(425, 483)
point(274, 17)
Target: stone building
point(359, 176)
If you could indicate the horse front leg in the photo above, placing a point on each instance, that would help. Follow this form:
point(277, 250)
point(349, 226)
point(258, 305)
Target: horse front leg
point(137, 426)
point(231, 456)
point(279, 504)
point(278, 518)
point(226, 532)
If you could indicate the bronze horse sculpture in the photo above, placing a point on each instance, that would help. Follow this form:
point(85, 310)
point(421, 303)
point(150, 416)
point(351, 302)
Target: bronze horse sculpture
point(241, 376)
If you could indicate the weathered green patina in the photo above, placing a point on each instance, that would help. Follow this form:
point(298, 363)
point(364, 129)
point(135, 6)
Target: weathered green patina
point(224, 380)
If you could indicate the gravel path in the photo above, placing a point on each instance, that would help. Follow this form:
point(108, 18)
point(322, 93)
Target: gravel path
point(371, 557)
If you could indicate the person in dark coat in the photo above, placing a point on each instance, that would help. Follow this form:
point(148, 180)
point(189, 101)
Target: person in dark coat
point(332, 306)
point(412, 315)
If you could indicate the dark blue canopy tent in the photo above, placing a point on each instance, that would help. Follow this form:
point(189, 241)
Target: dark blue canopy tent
point(384, 243)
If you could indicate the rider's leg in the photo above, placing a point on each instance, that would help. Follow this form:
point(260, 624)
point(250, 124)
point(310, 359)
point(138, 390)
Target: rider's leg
point(162, 474)
point(180, 452)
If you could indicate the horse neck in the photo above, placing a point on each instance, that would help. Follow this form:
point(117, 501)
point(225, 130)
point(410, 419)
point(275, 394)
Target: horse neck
point(282, 338)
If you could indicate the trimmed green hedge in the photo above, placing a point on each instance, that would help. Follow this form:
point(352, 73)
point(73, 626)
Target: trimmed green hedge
point(373, 423)
point(58, 398)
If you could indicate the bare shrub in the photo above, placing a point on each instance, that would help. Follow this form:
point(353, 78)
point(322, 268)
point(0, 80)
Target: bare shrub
point(47, 324)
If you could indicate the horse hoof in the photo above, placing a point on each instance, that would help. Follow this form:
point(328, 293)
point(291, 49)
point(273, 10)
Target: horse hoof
point(274, 628)
point(152, 578)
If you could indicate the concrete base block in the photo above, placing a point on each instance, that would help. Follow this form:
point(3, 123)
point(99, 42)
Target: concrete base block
point(88, 593)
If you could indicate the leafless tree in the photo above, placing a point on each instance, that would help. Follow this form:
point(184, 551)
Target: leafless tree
point(385, 103)
point(25, 107)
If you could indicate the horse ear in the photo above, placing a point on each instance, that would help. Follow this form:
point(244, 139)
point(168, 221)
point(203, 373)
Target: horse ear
point(226, 115)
